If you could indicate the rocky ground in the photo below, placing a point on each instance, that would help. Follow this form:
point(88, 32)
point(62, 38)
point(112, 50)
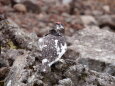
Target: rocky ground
point(90, 34)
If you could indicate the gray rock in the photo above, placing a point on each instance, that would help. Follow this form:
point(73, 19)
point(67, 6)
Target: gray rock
point(88, 20)
point(98, 45)
point(106, 21)
point(18, 36)
point(20, 74)
point(95, 43)
point(66, 82)
point(81, 76)
point(98, 66)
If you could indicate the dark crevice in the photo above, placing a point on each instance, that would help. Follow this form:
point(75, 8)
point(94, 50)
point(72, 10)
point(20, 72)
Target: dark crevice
point(10, 61)
point(13, 3)
point(111, 26)
point(72, 7)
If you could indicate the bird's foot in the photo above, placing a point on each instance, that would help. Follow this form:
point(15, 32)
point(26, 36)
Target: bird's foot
point(61, 60)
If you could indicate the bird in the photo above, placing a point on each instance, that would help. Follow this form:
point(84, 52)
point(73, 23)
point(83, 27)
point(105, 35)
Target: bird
point(52, 46)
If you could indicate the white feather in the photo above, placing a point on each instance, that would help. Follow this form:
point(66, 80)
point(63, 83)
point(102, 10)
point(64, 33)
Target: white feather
point(60, 51)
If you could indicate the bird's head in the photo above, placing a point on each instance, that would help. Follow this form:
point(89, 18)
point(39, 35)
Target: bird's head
point(58, 28)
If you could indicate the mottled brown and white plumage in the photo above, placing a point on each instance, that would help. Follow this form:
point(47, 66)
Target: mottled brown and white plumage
point(52, 46)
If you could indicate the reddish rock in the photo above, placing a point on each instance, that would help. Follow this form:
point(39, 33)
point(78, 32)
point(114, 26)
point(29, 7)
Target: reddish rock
point(20, 8)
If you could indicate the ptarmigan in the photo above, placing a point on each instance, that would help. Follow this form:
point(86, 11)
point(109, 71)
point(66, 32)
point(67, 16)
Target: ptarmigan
point(52, 46)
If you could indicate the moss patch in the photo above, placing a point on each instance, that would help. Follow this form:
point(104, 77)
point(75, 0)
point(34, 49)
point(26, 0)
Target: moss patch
point(11, 45)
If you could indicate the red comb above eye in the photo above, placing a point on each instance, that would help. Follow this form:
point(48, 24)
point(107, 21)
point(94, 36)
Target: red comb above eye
point(58, 22)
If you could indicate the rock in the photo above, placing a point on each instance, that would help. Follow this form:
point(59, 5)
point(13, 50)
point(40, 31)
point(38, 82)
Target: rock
point(5, 2)
point(66, 82)
point(97, 45)
point(106, 8)
point(112, 85)
point(97, 13)
point(15, 77)
point(2, 62)
point(21, 1)
point(10, 55)
point(66, 1)
point(32, 7)
point(18, 36)
point(26, 73)
point(3, 72)
point(102, 66)
point(106, 20)
point(88, 20)
point(20, 8)
point(71, 54)
point(81, 76)
point(3, 20)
